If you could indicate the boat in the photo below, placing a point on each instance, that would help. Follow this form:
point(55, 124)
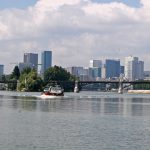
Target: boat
point(53, 90)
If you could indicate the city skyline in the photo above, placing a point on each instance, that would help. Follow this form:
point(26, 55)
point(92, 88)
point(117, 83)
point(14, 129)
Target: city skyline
point(76, 30)
point(42, 58)
point(109, 69)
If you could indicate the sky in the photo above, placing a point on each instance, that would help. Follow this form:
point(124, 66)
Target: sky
point(74, 30)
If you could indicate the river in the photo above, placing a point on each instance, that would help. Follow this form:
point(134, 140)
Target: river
point(77, 121)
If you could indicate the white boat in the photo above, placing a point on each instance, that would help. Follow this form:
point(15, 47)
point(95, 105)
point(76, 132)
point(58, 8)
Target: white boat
point(53, 91)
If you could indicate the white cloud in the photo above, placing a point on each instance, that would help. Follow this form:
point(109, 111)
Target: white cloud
point(76, 31)
point(146, 4)
point(49, 4)
point(110, 12)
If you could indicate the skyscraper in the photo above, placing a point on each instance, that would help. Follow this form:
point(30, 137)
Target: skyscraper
point(95, 63)
point(140, 70)
point(134, 69)
point(95, 67)
point(32, 59)
point(1, 70)
point(112, 68)
point(46, 61)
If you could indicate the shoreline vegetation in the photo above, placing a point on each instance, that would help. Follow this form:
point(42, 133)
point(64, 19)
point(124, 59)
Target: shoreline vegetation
point(28, 80)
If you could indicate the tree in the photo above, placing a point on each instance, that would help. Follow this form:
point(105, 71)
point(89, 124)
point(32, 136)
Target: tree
point(26, 70)
point(57, 73)
point(16, 73)
point(14, 76)
point(30, 81)
point(3, 78)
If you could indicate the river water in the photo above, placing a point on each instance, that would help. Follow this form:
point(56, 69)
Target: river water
point(78, 121)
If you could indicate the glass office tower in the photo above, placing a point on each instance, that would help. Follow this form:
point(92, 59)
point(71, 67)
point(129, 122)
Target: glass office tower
point(46, 61)
point(31, 59)
point(112, 68)
point(1, 70)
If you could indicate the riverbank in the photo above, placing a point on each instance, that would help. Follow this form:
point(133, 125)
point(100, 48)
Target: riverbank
point(139, 91)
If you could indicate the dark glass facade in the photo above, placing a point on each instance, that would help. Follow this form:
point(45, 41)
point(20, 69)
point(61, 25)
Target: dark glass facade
point(112, 68)
point(46, 61)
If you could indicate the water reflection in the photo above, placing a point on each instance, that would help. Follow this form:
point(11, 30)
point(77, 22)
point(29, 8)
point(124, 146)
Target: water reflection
point(103, 106)
point(137, 108)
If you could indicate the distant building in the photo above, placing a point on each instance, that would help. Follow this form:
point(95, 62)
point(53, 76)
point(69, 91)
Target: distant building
point(112, 68)
point(31, 58)
point(24, 65)
point(134, 69)
point(103, 72)
point(1, 70)
point(82, 73)
point(95, 72)
point(95, 68)
point(76, 71)
point(95, 63)
point(146, 75)
point(130, 67)
point(84, 77)
point(46, 60)
point(86, 71)
point(140, 70)
point(121, 69)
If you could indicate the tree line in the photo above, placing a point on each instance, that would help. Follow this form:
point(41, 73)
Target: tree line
point(29, 80)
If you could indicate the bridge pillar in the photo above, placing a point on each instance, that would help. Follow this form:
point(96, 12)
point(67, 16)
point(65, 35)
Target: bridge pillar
point(76, 88)
point(120, 90)
point(131, 87)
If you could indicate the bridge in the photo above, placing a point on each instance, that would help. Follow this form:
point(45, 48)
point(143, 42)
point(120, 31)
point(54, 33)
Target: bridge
point(103, 81)
point(91, 82)
point(120, 84)
point(115, 81)
point(80, 84)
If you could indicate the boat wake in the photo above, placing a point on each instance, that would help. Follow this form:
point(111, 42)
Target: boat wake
point(48, 96)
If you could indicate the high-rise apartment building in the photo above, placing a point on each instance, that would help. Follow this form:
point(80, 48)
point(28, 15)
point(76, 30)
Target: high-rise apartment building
point(31, 58)
point(112, 68)
point(46, 61)
point(134, 69)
